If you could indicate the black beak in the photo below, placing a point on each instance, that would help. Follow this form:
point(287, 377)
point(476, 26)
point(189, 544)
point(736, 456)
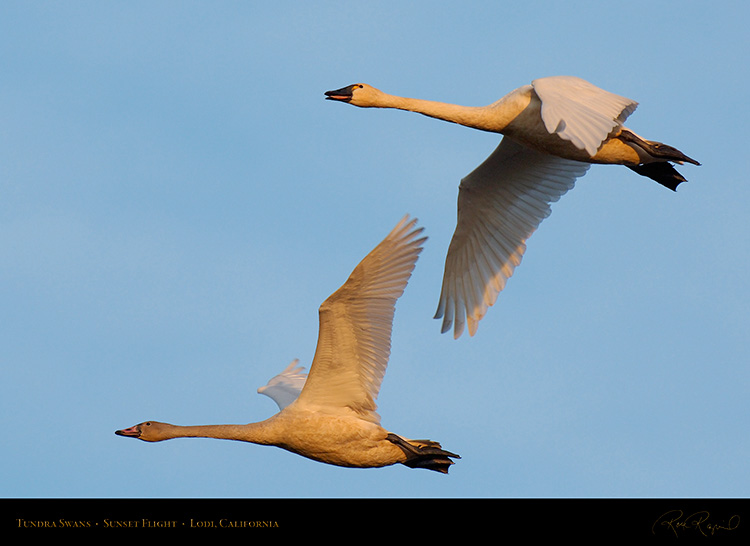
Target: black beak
point(344, 94)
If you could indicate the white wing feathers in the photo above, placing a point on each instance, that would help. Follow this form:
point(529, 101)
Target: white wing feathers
point(500, 204)
point(285, 387)
point(503, 201)
point(581, 112)
point(354, 340)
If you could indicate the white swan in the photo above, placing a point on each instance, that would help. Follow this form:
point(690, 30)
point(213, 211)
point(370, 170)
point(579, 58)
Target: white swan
point(334, 420)
point(553, 129)
point(285, 387)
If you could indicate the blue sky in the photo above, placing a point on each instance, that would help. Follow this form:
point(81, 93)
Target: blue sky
point(177, 199)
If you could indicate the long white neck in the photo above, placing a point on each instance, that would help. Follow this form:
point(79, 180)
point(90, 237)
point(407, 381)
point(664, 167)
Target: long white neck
point(486, 118)
point(257, 433)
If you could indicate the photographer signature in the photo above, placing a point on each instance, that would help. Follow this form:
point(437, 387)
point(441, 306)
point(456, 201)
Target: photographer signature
point(676, 520)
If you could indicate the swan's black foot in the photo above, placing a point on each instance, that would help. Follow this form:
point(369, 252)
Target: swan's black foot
point(424, 454)
point(657, 150)
point(662, 172)
point(664, 151)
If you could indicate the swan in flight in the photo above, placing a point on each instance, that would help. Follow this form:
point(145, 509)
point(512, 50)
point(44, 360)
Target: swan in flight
point(285, 387)
point(333, 420)
point(553, 129)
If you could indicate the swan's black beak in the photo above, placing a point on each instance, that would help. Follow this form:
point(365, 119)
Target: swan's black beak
point(344, 94)
point(133, 432)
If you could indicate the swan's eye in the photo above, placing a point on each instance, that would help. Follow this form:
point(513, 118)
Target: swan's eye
point(148, 424)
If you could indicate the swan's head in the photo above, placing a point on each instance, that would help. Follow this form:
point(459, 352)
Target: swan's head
point(150, 431)
point(358, 94)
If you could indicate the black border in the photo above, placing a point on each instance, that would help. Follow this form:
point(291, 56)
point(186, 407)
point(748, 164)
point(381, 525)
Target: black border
point(600, 519)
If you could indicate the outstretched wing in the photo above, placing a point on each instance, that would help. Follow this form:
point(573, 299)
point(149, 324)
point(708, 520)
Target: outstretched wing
point(581, 112)
point(285, 387)
point(500, 204)
point(354, 341)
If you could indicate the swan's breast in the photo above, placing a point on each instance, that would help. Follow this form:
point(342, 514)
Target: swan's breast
point(336, 439)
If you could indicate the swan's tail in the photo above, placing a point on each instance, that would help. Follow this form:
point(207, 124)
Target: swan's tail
point(661, 171)
point(424, 454)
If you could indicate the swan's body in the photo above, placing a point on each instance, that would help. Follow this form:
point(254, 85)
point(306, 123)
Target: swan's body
point(285, 387)
point(553, 130)
point(333, 420)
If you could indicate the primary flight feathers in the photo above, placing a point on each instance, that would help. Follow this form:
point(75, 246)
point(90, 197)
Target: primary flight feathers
point(553, 129)
point(333, 419)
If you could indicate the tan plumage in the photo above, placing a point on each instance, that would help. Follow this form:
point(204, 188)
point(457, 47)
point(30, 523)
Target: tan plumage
point(333, 420)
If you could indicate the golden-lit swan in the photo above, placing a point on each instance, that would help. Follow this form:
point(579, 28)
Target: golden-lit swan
point(553, 129)
point(333, 420)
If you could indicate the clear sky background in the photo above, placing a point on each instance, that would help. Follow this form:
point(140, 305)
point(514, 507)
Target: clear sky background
point(177, 199)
